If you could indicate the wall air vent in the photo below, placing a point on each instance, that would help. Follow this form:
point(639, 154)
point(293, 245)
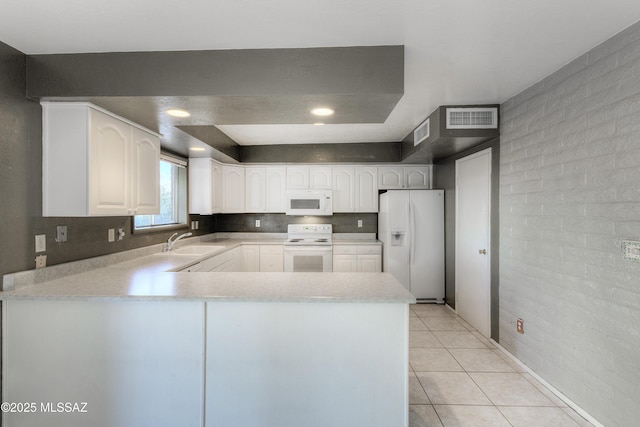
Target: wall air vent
point(421, 132)
point(472, 118)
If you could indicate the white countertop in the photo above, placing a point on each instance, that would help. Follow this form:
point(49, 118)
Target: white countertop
point(149, 277)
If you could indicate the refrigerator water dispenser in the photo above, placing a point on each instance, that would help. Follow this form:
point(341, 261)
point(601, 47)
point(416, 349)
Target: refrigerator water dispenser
point(398, 238)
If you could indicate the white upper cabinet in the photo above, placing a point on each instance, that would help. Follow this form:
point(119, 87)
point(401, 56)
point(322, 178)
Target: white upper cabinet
point(309, 178)
point(366, 189)
point(96, 163)
point(320, 178)
point(390, 178)
point(265, 189)
point(344, 186)
point(205, 186)
point(255, 194)
point(355, 189)
point(407, 177)
point(276, 185)
point(417, 177)
point(146, 170)
point(233, 189)
point(297, 177)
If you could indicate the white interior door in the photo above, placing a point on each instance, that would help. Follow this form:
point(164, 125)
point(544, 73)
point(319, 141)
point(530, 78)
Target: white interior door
point(473, 232)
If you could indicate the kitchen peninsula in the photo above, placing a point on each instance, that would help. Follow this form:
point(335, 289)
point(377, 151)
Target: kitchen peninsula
point(143, 344)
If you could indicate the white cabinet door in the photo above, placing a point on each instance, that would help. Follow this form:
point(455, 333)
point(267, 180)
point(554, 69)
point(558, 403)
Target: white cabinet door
point(390, 178)
point(297, 177)
point(146, 173)
point(319, 178)
point(216, 187)
point(255, 195)
point(271, 258)
point(232, 189)
point(399, 177)
point(344, 197)
point(417, 177)
point(251, 255)
point(369, 264)
point(366, 191)
point(345, 264)
point(110, 164)
point(237, 259)
point(276, 178)
point(309, 178)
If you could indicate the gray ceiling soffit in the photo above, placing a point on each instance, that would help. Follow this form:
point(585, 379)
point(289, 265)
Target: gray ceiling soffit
point(377, 152)
point(251, 72)
point(444, 143)
point(215, 138)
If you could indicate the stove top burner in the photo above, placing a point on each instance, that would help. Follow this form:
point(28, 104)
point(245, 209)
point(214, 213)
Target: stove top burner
point(309, 235)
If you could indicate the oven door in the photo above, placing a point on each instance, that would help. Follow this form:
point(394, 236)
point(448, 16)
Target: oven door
point(308, 259)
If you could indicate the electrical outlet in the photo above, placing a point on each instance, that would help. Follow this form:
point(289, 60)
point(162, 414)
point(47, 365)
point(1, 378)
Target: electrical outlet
point(520, 326)
point(359, 223)
point(41, 261)
point(258, 223)
point(112, 234)
point(121, 233)
point(197, 224)
point(193, 225)
point(41, 243)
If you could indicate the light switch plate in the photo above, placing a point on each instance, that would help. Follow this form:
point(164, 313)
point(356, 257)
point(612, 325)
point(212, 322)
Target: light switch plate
point(41, 243)
point(61, 233)
point(112, 235)
point(631, 250)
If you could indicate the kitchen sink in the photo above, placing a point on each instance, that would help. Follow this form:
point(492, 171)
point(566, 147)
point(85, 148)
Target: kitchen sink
point(195, 250)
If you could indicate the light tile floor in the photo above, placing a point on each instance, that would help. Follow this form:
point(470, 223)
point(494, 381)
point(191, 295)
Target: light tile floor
point(459, 378)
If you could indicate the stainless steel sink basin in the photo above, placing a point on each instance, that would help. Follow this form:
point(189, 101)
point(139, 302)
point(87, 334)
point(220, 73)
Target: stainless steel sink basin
point(195, 250)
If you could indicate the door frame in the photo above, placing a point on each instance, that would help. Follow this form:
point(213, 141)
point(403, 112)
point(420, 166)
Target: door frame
point(488, 311)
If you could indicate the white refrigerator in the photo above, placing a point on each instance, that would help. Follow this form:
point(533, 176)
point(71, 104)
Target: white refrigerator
point(411, 228)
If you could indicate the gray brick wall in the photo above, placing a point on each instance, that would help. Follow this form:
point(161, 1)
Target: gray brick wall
point(569, 193)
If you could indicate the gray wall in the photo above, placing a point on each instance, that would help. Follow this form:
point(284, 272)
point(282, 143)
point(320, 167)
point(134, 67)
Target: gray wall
point(21, 187)
point(444, 176)
point(569, 172)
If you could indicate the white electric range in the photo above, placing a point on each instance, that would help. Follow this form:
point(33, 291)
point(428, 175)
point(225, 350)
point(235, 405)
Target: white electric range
point(308, 248)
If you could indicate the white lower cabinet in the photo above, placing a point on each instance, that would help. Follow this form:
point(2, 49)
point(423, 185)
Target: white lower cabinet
point(251, 258)
point(345, 263)
point(126, 363)
point(369, 264)
point(357, 258)
point(271, 258)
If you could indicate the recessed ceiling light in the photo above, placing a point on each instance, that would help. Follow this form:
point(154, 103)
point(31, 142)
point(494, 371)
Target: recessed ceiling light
point(322, 111)
point(178, 113)
point(196, 149)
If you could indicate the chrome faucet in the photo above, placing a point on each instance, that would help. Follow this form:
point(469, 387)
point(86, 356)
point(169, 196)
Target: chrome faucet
point(170, 242)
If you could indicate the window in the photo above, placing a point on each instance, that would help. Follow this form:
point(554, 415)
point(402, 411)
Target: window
point(173, 198)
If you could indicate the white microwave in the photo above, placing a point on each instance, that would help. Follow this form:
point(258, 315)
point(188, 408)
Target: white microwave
point(310, 202)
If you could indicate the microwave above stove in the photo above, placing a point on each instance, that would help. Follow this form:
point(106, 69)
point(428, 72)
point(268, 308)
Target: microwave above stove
point(310, 202)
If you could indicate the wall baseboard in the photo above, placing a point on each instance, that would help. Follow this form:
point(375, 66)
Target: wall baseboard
point(584, 414)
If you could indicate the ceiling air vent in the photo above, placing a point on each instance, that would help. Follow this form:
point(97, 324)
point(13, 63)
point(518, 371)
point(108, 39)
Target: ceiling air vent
point(421, 132)
point(472, 118)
